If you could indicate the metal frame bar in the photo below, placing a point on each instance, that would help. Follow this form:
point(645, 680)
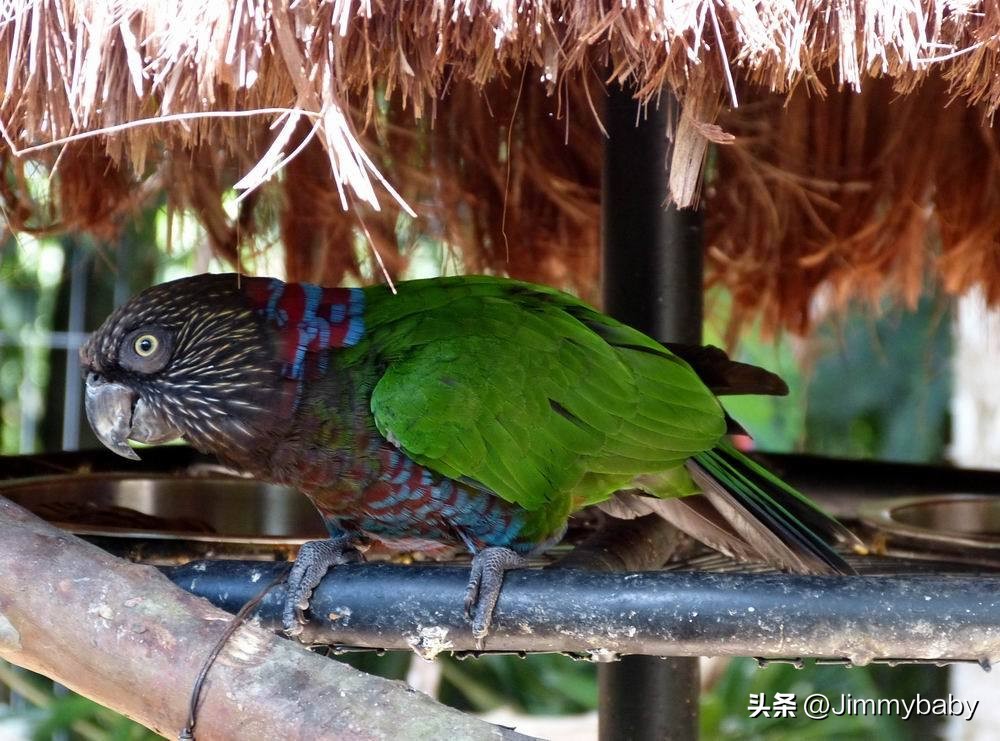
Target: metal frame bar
point(80, 261)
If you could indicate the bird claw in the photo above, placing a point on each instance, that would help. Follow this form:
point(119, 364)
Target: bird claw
point(483, 590)
point(472, 590)
point(467, 607)
point(315, 558)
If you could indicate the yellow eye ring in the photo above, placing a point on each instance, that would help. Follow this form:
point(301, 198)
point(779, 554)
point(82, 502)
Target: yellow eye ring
point(145, 345)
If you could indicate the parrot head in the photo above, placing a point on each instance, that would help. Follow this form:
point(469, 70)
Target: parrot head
point(188, 358)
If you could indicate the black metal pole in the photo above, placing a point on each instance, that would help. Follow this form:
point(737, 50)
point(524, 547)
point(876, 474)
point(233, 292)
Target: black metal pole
point(645, 697)
point(652, 262)
point(652, 281)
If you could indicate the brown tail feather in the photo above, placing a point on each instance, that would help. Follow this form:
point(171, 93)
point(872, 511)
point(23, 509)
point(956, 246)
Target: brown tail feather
point(725, 376)
point(770, 547)
point(716, 519)
point(693, 515)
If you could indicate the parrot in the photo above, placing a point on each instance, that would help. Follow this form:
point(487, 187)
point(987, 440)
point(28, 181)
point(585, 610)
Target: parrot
point(446, 415)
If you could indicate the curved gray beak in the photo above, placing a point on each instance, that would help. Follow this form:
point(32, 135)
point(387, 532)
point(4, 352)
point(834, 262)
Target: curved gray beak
point(109, 408)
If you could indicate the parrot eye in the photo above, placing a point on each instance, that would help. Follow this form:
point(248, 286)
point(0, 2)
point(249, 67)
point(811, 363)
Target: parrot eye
point(146, 345)
point(145, 350)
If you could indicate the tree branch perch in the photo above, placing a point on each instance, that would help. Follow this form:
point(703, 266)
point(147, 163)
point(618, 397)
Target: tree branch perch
point(125, 636)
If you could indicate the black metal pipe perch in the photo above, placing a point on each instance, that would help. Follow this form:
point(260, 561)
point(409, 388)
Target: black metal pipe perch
point(605, 615)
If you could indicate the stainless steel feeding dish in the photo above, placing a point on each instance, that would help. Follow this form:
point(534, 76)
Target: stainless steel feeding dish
point(966, 526)
point(195, 515)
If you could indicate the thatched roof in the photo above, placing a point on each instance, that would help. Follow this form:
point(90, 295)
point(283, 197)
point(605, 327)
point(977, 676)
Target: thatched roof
point(481, 117)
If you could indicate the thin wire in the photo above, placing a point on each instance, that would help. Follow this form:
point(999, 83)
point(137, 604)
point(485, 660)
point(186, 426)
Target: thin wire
point(510, 156)
point(187, 733)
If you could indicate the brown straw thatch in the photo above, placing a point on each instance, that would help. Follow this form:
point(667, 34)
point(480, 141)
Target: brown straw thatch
point(861, 129)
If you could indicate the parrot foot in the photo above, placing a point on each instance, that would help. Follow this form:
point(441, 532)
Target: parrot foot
point(315, 558)
point(483, 591)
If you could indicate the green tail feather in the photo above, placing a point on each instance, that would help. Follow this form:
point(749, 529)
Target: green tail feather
point(785, 512)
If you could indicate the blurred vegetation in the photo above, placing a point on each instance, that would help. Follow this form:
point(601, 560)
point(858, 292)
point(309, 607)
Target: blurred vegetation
point(47, 713)
point(882, 388)
point(861, 386)
point(724, 713)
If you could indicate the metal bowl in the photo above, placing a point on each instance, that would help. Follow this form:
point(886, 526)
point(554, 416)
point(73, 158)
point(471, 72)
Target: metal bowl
point(963, 525)
point(196, 515)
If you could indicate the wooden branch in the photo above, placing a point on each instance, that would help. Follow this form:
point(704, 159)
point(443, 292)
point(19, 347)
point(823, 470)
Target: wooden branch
point(123, 635)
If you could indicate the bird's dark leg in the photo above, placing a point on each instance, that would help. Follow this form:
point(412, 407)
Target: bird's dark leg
point(315, 558)
point(481, 595)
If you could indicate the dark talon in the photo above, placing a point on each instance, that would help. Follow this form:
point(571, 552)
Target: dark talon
point(483, 591)
point(315, 558)
point(472, 590)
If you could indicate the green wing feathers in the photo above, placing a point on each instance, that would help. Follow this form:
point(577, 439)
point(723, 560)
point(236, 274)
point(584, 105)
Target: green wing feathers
point(530, 392)
point(554, 406)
